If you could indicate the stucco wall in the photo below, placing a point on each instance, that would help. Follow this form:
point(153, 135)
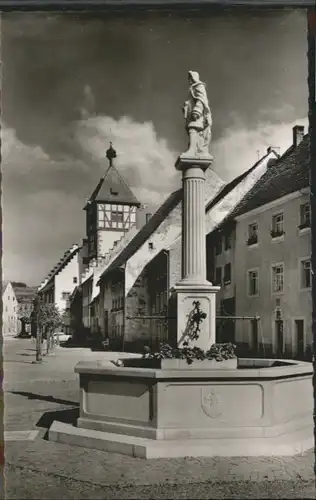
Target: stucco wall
point(162, 238)
point(106, 239)
point(64, 281)
point(86, 298)
point(225, 257)
point(137, 304)
point(294, 302)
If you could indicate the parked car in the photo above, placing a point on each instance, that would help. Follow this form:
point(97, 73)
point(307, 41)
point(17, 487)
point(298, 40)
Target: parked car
point(61, 337)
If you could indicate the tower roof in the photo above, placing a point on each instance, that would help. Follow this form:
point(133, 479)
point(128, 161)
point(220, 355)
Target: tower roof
point(112, 188)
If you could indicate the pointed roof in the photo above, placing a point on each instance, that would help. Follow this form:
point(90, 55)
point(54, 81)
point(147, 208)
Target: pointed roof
point(4, 285)
point(112, 188)
point(289, 174)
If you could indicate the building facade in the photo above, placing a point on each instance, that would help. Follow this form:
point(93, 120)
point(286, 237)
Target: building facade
point(262, 260)
point(62, 280)
point(9, 310)
point(111, 211)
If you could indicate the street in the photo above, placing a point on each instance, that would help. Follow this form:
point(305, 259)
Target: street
point(36, 395)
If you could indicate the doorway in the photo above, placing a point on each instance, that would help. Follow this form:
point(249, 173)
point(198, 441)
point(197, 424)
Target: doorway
point(299, 337)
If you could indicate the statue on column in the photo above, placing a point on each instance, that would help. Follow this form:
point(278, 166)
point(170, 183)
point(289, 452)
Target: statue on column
point(198, 117)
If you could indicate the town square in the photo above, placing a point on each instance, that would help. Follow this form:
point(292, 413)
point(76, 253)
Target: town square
point(158, 262)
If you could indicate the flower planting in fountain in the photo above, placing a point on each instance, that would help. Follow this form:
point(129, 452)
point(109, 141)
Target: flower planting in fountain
point(217, 352)
point(218, 355)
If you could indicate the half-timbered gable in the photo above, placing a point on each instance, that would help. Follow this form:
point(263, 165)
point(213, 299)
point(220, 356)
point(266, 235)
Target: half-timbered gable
point(110, 211)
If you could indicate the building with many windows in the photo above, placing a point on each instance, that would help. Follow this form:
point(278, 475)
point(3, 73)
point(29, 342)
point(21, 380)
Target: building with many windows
point(265, 269)
point(62, 280)
point(9, 310)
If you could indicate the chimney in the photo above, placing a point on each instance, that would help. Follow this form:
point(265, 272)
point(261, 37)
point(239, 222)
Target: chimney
point(298, 135)
point(148, 217)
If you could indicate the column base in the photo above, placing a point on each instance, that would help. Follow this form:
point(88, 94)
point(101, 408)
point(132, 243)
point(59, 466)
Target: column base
point(195, 284)
point(188, 292)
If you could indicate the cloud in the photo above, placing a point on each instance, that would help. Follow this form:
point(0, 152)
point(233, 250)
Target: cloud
point(43, 196)
point(239, 148)
point(145, 160)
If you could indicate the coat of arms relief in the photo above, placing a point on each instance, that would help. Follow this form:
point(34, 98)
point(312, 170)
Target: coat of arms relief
point(210, 403)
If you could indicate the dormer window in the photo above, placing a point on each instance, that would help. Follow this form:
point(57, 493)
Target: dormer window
point(113, 192)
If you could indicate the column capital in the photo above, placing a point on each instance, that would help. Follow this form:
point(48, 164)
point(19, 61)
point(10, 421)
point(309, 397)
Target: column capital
point(184, 162)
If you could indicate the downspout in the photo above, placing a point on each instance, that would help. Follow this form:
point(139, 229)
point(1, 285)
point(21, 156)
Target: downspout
point(311, 30)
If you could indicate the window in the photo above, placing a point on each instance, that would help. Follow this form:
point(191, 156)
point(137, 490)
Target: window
point(253, 282)
point(117, 216)
point(218, 245)
point(277, 278)
point(305, 216)
point(252, 234)
point(218, 276)
point(227, 274)
point(306, 273)
point(75, 279)
point(277, 225)
point(228, 241)
point(65, 295)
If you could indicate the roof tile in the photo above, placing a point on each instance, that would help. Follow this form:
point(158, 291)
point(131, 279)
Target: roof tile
point(288, 174)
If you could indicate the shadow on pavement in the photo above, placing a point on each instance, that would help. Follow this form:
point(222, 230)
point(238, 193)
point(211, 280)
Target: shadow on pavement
point(68, 416)
point(49, 399)
point(17, 361)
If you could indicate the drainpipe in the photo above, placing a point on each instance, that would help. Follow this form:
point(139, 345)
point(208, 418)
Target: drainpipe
point(311, 30)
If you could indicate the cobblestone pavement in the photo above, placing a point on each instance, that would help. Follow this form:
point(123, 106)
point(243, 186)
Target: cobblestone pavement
point(35, 395)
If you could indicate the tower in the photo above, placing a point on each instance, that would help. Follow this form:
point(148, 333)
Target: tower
point(110, 210)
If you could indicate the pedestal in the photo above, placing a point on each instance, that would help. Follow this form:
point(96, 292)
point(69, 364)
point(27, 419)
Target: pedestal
point(206, 295)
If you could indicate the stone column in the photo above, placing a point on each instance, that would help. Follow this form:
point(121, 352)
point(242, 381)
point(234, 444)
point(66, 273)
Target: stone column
point(193, 222)
point(193, 285)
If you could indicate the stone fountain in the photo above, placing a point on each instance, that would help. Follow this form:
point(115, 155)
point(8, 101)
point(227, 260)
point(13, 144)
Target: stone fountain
point(202, 409)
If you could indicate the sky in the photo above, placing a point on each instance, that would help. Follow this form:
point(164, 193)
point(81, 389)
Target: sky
point(71, 83)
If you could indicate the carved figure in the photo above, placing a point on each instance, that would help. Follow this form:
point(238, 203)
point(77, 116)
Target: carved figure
point(198, 117)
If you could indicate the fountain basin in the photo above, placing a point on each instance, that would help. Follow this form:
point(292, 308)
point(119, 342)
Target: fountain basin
point(264, 407)
point(181, 364)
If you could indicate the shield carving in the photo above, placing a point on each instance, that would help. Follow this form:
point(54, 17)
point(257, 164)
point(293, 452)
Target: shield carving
point(210, 403)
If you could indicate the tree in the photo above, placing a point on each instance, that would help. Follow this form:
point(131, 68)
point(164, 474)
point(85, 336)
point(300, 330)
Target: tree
point(48, 319)
point(25, 310)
